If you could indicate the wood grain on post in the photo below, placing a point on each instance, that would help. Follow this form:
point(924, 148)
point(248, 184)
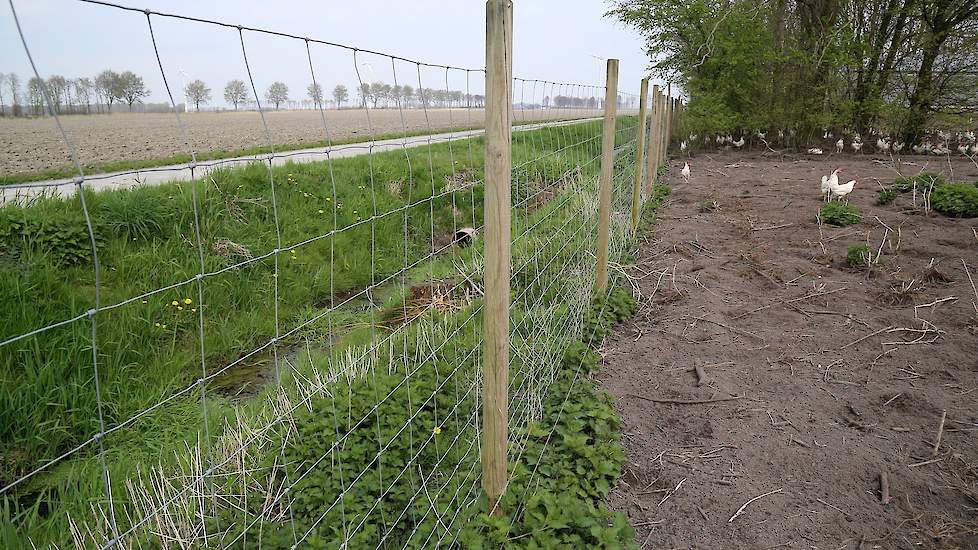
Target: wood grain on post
point(654, 131)
point(495, 346)
point(607, 172)
point(639, 154)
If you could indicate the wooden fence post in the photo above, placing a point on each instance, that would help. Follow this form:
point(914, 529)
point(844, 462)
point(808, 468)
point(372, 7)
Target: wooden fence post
point(639, 155)
point(654, 137)
point(607, 172)
point(499, 162)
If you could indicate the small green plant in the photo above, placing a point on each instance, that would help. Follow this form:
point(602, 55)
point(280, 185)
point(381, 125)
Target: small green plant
point(709, 206)
point(885, 196)
point(136, 215)
point(858, 256)
point(840, 214)
point(958, 200)
point(922, 181)
point(62, 238)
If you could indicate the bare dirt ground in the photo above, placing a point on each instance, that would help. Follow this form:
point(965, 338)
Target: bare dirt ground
point(839, 374)
point(33, 145)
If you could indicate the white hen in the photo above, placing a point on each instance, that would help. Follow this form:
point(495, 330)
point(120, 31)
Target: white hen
point(739, 143)
point(842, 190)
point(840, 145)
point(685, 173)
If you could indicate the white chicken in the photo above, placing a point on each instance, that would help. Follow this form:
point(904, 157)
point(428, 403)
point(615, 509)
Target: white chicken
point(761, 134)
point(826, 189)
point(815, 151)
point(841, 191)
point(682, 146)
point(883, 146)
point(973, 150)
point(739, 143)
point(857, 146)
point(686, 172)
point(840, 145)
point(963, 149)
point(898, 146)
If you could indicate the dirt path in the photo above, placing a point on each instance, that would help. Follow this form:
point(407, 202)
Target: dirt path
point(825, 405)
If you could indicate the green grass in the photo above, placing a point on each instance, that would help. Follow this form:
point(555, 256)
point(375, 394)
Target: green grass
point(69, 171)
point(148, 348)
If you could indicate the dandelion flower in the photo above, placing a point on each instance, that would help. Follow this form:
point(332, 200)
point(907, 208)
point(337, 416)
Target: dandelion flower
point(322, 211)
point(194, 310)
point(157, 325)
point(163, 326)
point(437, 430)
point(179, 308)
point(145, 301)
point(188, 301)
point(174, 303)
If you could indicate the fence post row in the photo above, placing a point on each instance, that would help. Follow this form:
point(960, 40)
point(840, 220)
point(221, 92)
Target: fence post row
point(639, 154)
point(607, 169)
point(498, 164)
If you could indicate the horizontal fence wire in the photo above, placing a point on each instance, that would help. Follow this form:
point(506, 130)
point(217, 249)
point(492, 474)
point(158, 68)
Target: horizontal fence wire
point(307, 348)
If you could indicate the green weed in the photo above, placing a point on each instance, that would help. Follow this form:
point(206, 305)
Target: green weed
point(958, 200)
point(840, 214)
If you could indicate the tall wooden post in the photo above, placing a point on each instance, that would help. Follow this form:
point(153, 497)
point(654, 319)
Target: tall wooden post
point(639, 155)
point(654, 137)
point(607, 171)
point(667, 123)
point(499, 162)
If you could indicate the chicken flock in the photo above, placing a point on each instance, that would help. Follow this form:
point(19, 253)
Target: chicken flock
point(939, 143)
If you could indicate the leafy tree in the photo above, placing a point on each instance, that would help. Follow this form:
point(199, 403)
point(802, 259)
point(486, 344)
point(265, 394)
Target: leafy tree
point(315, 92)
point(130, 88)
point(277, 93)
point(57, 89)
point(105, 87)
point(197, 92)
point(235, 93)
point(364, 92)
point(35, 95)
point(83, 92)
point(340, 94)
point(13, 83)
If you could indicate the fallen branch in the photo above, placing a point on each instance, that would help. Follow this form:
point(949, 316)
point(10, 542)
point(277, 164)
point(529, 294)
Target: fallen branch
point(854, 342)
point(744, 507)
point(683, 401)
point(700, 375)
point(884, 488)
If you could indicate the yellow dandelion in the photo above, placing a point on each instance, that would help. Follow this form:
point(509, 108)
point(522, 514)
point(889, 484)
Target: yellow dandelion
point(329, 199)
point(305, 194)
point(322, 211)
point(179, 308)
point(188, 301)
point(194, 310)
point(174, 303)
point(437, 430)
point(163, 326)
point(145, 301)
point(157, 325)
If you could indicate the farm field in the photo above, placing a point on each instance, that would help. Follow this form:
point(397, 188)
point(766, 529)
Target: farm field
point(32, 148)
point(820, 375)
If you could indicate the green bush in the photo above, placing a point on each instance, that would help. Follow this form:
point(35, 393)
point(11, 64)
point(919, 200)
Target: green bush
point(885, 196)
point(858, 256)
point(958, 200)
point(923, 180)
point(840, 214)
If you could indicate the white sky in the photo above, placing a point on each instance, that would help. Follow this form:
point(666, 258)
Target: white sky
point(554, 40)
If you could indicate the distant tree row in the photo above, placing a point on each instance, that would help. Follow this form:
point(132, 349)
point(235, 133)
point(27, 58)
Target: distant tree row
point(70, 95)
point(99, 94)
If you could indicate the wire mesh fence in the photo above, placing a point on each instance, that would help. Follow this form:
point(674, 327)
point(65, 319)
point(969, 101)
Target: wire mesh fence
point(283, 354)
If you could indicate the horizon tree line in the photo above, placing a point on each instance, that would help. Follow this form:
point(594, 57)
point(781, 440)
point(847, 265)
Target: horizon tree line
point(98, 94)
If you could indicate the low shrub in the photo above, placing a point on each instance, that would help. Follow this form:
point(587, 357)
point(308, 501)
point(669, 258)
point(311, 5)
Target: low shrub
point(858, 256)
point(840, 214)
point(923, 180)
point(958, 200)
point(885, 197)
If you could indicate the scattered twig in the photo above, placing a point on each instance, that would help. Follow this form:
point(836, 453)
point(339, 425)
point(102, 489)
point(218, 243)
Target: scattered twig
point(940, 433)
point(854, 342)
point(973, 288)
point(744, 507)
point(771, 227)
point(683, 401)
point(700, 375)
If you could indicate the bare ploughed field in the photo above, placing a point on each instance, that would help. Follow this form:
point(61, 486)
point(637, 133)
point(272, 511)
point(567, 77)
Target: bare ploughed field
point(820, 377)
point(34, 145)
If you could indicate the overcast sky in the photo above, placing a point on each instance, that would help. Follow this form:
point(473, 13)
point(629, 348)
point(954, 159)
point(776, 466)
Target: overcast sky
point(554, 40)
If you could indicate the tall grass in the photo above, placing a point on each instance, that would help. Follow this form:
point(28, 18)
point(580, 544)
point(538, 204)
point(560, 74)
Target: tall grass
point(149, 349)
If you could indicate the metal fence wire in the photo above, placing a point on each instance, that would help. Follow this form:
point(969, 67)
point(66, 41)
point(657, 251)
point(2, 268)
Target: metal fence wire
point(310, 335)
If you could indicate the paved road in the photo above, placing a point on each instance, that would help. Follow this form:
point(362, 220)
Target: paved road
point(180, 172)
